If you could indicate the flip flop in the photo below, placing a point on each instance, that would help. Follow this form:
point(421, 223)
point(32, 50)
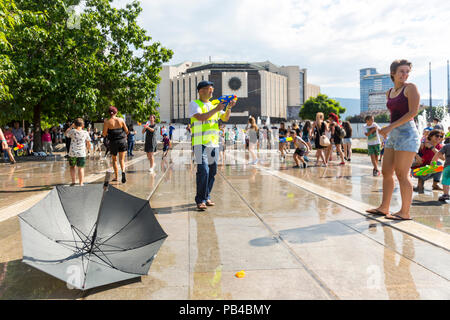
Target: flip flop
point(376, 212)
point(397, 217)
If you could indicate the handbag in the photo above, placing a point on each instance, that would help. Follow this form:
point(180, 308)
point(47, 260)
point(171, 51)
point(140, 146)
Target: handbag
point(342, 133)
point(324, 141)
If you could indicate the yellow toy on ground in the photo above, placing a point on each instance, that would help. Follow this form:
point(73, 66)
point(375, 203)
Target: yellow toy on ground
point(240, 274)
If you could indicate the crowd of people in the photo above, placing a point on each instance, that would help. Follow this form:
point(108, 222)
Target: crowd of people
point(397, 144)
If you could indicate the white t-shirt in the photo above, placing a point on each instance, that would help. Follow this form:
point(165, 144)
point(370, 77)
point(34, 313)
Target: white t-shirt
point(194, 108)
point(374, 138)
point(78, 143)
point(299, 144)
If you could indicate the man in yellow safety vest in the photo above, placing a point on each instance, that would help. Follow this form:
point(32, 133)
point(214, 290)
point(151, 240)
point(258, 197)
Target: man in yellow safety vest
point(205, 140)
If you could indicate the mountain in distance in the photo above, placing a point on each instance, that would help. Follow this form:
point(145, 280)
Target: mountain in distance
point(434, 102)
point(352, 106)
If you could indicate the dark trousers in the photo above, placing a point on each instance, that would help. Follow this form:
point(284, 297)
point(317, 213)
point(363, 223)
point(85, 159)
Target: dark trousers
point(130, 147)
point(68, 145)
point(206, 160)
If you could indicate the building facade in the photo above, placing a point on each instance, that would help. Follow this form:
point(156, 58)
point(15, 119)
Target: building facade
point(373, 83)
point(377, 101)
point(263, 89)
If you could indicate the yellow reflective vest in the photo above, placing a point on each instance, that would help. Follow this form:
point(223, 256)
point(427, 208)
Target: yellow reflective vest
point(204, 132)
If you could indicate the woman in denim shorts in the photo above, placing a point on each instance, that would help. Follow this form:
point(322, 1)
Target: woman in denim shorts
point(403, 141)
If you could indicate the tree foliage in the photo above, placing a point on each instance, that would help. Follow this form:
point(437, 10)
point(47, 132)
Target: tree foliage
point(436, 112)
point(382, 118)
point(65, 70)
point(358, 118)
point(321, 103)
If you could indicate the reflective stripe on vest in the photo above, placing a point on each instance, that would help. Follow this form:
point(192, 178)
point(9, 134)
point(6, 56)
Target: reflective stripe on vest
point(204, 132)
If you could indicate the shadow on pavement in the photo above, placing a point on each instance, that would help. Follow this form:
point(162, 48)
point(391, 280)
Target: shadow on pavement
point(432, 203)
point(175, 209)
point(19, 281)
point(314, 233)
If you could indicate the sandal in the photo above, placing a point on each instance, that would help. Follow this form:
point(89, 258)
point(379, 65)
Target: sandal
point(376, 212)
point(397, 217)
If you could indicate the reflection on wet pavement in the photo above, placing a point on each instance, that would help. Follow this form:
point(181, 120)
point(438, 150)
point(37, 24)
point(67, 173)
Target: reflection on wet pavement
point(291, 243)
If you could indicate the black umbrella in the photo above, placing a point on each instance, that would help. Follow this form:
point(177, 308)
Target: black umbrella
point(90, 236)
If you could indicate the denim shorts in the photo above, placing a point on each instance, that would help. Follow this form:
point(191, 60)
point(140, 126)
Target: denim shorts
point(347, 140)
point(404, 138)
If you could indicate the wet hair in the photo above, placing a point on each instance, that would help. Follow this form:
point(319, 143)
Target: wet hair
point(435, 132)
point(367, 118)
point(436, 119)
point(293, 132)
point(397, 63)
point(78, 122)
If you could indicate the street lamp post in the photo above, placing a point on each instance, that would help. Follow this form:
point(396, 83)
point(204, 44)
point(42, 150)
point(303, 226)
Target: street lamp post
point(430, 85)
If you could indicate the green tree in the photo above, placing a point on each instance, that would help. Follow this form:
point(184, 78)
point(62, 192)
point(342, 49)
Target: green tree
point(355, 119)
point(67, 68)
point(382, 118)
point(321, 103)
point(8, 18)
point(435, 112)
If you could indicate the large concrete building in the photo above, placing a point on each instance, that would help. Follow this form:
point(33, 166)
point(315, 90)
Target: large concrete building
point(263, 89)
point(372, 87)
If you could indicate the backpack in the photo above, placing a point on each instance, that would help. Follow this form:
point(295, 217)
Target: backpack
point(342, 132)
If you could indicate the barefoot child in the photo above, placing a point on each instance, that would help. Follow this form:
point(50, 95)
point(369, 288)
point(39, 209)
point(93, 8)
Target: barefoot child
point(80, 141)
point(301, 149)
point(373, 142)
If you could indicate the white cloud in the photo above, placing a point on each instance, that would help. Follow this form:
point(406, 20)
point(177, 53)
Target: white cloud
point(333, 39)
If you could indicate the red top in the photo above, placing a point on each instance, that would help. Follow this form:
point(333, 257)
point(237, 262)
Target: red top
point(46, 137)
point(427, 155)
point(9, 138)
point(397, 106)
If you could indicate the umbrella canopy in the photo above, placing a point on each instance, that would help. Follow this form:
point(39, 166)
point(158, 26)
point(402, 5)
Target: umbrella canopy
point(89, 237)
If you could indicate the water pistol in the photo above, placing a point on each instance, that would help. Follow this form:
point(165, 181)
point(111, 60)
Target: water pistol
point(226, 99)
point(283, 140)
point(447, 135)
point(18, 147)
point(429, 169)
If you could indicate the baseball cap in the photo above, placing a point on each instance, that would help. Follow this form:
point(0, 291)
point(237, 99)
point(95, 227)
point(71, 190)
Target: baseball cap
point(204, 83)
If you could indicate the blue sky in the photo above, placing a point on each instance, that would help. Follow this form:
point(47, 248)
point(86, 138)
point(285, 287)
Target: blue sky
point(332, 39)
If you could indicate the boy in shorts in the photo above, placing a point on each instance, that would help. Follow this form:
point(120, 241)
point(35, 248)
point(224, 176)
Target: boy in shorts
point(80, 141)
point(444, 153)
point(373, 142)
point(166, 144)
point(301, 149)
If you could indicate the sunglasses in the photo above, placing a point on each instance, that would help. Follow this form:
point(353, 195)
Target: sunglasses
point(438, 136)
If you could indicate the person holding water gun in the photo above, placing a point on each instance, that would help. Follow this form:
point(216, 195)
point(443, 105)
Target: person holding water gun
point(205, 139)
point(424, 157)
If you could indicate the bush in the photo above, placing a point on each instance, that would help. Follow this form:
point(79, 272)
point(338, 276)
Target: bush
point(358, 150)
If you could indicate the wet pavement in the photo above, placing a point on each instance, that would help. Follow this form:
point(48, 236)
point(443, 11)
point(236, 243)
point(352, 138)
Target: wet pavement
point(287, 228)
